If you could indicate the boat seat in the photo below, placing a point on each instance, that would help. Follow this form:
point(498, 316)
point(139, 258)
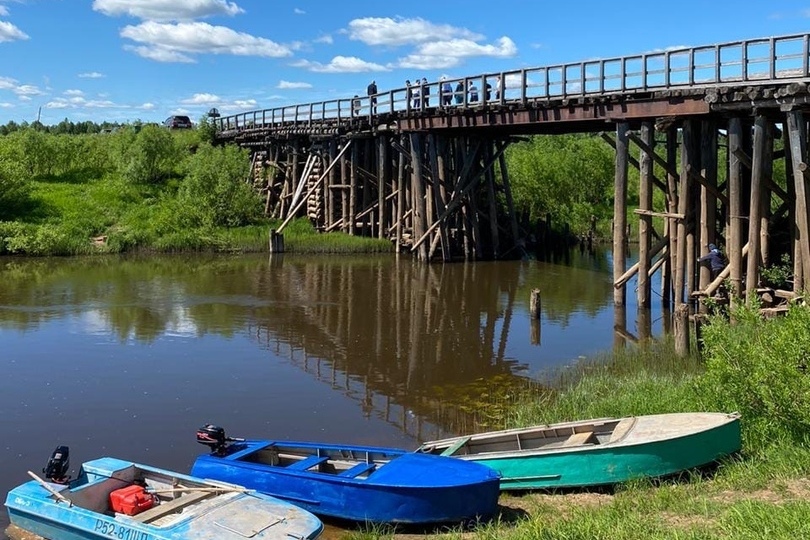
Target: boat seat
point(358, 469)
point(456, 446)
point(307, 463)
point(171, 506)
point(578, 439)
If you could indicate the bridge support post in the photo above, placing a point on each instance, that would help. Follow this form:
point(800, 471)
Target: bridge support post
point(620, 211)
point(798, 149)
point(276, 242)
point(708, 202)
point(645, 220)
point(734, 215)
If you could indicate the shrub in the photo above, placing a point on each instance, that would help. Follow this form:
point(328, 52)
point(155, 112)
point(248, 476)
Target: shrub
point(214, 192)
point(15, 189)
point(151, 157)
point(760, 368)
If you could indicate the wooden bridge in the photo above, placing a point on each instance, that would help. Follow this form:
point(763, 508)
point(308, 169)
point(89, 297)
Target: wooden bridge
point(424, 166)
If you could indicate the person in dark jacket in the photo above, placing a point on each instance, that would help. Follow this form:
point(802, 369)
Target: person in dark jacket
point(714, 259)
point(372, 94)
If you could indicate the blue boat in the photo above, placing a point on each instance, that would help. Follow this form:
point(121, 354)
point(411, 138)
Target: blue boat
point(180, 507)
point(356, 483)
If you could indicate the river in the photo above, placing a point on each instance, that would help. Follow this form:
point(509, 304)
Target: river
point(127, 356)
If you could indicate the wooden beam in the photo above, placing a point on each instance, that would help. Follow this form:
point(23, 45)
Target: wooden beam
point(620, 211)
point(633, 161)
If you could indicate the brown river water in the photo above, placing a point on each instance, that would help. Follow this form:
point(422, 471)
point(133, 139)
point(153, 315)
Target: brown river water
point(126, 357)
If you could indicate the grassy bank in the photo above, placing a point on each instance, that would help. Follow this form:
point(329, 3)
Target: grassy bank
point(146, 189)
point(754, 367)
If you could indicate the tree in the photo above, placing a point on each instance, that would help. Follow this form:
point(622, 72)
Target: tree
point(151, 157)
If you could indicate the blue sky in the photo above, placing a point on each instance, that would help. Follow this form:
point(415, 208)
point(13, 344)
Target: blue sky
point(124, 60)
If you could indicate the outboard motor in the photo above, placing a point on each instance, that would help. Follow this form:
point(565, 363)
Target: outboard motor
point(58, 464)
point(214, 437)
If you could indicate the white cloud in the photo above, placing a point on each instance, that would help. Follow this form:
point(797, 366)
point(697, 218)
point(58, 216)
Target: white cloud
point(147, 106)
point(4, 105)
point(73, 93)
point(81, 103)
point(176, 42)
point(27, 90)
point(298, 11)
point(91, 75)
point(340, 64)
point(393, 32)
point(325, 39)
point(202, 99)
point(9, 32)
point(3, 11)
point(287, 85)
point(167, 10)
point(447, 54)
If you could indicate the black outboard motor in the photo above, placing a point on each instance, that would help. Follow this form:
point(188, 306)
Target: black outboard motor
point(58, 464)
point(214, 437)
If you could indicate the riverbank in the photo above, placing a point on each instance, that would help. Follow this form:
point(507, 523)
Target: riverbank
point(753, 367)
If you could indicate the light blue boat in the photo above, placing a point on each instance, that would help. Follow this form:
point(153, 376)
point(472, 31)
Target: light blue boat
point(186, 508)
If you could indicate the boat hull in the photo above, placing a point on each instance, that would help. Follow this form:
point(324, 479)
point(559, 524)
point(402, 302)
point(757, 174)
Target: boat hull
point(233, 515)
point(606, 464)
point(408, 489)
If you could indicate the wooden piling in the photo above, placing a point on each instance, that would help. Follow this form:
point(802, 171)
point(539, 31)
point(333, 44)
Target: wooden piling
point(684, 208)
point(708, 202)
point(382, 180)
point(645, 202)
point(681, 330)
point(798, 149)
point(418, 194)
point(620, 210)
point(535, 304)
point(761, 137)
point(734, 240)
point(671, 230)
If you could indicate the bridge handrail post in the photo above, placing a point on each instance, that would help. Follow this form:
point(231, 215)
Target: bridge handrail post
point(772, 66)
point(311, 113)
point(692, 66)
point(564, 80)
point(524, 86)
point(644, 72)
point(582, 76)
point(623, 64)
point(717, 72)
point(744, 53)
point(806, 55)
point(502, 90)
point(667, 69)
point(601, 76)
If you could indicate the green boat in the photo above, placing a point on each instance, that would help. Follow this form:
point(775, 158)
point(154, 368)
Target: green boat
point(598, 452)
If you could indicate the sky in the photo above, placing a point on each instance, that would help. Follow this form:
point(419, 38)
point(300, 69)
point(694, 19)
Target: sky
point(128, 60)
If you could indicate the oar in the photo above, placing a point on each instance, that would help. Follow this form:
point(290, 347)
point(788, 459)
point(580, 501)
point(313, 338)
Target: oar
point(52, 491)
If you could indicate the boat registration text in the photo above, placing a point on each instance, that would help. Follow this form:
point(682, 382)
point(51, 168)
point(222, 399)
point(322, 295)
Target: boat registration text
point(117, 531)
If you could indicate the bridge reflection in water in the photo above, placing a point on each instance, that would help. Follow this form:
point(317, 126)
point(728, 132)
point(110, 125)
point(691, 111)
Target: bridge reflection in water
point(418, 348)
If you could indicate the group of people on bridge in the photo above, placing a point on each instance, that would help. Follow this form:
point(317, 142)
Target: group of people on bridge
point(418, 93)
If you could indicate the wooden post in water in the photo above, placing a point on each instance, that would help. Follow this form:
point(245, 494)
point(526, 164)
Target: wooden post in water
point(620, 211)
point(684, 209)
point(352, 213)
point(330, 189)
point(681, 330)
point(671, 230)
point(418, 195)
point(489, 175)
point(534, 316)
point(276, 242)
point(382, 180)
point(645, 227)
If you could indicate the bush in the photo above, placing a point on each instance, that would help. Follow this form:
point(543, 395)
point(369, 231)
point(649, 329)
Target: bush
point(151, 157)
point(760, 368)
point(15, 189)
point(214, 192)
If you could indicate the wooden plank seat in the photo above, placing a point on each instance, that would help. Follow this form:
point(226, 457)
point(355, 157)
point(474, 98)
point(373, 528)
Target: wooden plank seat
point(456, 446)
point(578, 439)
point(307, 463)
point(358, 469)
point(171, 506)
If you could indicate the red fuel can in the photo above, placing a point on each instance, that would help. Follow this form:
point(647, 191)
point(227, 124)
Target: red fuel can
point(131, 500)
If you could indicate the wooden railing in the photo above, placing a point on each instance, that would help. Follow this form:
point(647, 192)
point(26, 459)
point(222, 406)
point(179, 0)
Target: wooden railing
point(754, 61)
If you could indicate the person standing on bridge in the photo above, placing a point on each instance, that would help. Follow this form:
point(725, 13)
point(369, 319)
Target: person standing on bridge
point(372, 96)
point(473, 92)
point(425, 92)
point(459, 93)
point(447, 92)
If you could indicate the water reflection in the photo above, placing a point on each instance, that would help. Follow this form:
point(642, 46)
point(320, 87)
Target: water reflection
point(129, 355)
